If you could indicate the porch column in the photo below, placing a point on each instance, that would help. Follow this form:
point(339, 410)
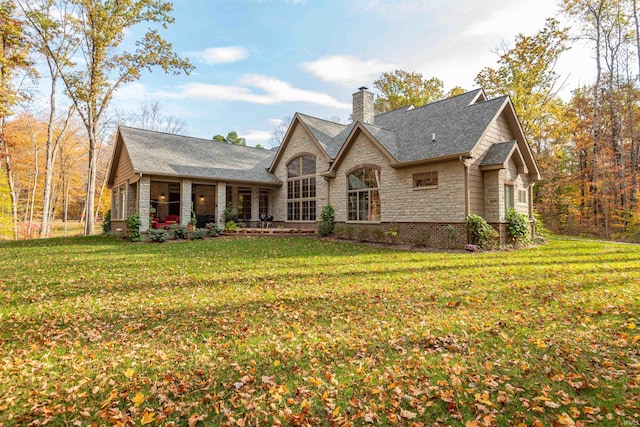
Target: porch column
point(255, 203)
point(144, 202)
point(221, 201)
point(185, 202)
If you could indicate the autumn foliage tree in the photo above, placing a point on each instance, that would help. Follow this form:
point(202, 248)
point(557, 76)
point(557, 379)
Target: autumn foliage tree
point(14, 49)
point(99, 29)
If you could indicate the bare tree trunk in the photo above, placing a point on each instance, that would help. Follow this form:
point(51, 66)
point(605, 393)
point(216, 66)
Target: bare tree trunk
point(91, 183)
point(6, 157)
point(634, 138)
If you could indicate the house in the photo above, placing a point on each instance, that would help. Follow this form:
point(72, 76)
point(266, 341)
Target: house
point(415, 169)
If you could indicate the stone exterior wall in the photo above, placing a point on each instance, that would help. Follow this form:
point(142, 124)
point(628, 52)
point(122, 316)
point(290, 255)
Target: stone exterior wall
point(492, 206)
point(300, 142)
point(400, 202)
point(498, 131)
point(144, 206)
point(363, 107)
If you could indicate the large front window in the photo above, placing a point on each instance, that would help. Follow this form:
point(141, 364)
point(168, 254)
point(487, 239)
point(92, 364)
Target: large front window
point(301, 189)
point(364, 195)
point(119, 203)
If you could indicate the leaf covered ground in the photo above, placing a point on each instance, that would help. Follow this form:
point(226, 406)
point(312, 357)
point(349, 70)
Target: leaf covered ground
point(304, 331)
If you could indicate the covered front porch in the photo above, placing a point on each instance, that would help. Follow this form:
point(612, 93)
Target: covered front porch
point(162, 201)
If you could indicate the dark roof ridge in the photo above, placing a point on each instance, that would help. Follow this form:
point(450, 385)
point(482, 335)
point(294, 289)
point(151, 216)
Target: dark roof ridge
point(188, 137)
point(449, 99)
point(324, 120)
point(396, 109)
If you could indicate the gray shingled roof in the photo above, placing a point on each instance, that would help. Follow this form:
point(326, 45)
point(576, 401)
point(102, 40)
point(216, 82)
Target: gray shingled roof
point(324, 131)
point(407, 132)
point(457, 126)
point(498, 153)
point(176, 155)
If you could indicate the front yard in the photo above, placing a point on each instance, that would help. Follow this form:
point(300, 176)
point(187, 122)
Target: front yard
point(246, 331)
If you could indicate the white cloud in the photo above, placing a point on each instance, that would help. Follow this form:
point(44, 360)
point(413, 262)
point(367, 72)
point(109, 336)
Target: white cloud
point(276, 122)
point(347, 71)
point(254, 137)
point(269, 91)
point(220, 55)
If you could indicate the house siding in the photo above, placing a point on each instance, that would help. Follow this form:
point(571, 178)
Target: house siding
point(399, 201)
point(498, 131)
point(125, 171)
point(300, 142)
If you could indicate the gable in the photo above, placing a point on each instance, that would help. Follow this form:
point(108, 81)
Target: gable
point(299, 138)
point(121, 167)
point(504, 127)
point(356, 134)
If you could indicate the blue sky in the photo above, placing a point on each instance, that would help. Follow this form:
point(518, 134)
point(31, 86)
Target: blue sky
point(258, 61)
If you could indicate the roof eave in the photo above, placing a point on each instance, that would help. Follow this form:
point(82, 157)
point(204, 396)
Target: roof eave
point(429, 160)
point(277, 183)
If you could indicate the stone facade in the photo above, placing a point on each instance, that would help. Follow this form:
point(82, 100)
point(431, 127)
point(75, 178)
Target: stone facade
point(363, 106)
point(301, 142)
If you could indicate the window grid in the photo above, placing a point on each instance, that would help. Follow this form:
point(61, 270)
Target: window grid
point(425, 179)
point(363, 195)
point(301, 189)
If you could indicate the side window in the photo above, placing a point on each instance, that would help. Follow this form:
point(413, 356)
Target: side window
point(363, 195)
point(508, 198)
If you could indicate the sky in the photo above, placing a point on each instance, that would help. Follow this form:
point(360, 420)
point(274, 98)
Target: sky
point(259, 61)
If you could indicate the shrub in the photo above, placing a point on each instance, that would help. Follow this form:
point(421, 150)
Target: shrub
point(133, 228)
point(327, 218)
point(480, 233)
point(338, 231)
point(392, 232)
point(227, 215)
point(517, 226)
point(179, 231)
point(241, 225)
point(106, 222)
point(159, 235)
point(363, 234)
point(349, 231)
point(198, 234)
point(424, 238)
point(212, 229)
point(450, 234)
point(377, 235)
point(230, 226)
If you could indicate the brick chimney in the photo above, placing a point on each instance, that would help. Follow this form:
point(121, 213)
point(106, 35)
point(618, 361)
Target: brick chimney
point(363, 106)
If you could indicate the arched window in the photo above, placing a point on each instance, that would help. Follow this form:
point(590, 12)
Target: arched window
point(363, 195)
point(301, 189)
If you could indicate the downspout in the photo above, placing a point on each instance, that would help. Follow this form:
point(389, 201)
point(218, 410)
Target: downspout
point(532, 219)
point(467, 196)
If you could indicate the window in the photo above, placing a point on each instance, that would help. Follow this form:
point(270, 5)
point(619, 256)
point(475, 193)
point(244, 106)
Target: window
point(425, 179)
point(244, 203)
point(363, 195)
point(301, 189)
point(522, 196)
point(508, 198)
point(119, 202)
point(263, 201)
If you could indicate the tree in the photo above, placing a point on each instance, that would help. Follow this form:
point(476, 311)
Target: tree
point(14, 49)
point(99, 27)
point(150, 117)
point(527, 74)
point(280, 131)
point(402, 88)
point(231, 138)
point(50, 41)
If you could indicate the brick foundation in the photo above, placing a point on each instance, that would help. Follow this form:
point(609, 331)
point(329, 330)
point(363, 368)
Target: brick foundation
point(437, 234)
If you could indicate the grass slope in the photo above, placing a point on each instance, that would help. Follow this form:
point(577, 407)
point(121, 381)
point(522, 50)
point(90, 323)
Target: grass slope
point(308, 331)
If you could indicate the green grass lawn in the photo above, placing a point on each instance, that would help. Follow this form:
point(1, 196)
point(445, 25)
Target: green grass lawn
point(304, 331)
